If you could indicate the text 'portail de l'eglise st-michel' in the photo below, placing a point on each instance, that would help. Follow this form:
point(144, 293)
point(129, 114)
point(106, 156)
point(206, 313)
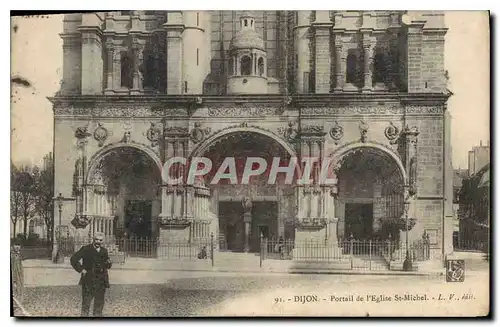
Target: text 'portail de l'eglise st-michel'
point(366, 90)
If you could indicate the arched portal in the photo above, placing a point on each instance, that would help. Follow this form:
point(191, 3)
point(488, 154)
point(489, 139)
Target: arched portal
point(370, 193)
point(122, 193)
point(246, 211)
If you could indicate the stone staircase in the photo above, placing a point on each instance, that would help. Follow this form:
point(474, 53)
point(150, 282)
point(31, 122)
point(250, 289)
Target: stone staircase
point(236, 259)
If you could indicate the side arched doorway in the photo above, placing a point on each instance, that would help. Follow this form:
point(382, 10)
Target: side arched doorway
point(123, 198)
point(246, 211)
point(370, 194)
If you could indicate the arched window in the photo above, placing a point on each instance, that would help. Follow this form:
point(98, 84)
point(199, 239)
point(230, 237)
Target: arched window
point(378, 68)
point(260, 64)
point(126, 70)
point(149, 75)
point(161, 81)
point(231, 66)
point(352, 68)
point(246, 23)
point(246, 66)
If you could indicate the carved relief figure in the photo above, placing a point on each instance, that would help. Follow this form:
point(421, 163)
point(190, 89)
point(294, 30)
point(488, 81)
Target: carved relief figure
point(77, 177)
point(247, 204)
point(363, 129)
point(290, 132)
point(153, 134)
point(126, 137)
point(413, 176)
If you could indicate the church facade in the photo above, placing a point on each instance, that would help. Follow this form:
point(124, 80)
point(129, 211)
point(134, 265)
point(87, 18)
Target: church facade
point(366, 89)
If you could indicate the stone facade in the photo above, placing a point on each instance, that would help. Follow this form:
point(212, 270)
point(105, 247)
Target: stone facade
point(337, 83)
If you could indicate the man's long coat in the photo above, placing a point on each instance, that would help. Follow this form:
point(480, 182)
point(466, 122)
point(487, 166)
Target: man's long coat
point(95, 263)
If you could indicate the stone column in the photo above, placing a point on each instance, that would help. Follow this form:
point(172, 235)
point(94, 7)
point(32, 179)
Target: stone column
point(315, 195)
point(92, 64)
point(322, 26)
point(136, 81)
point(110, 71)
point(117, 69)
point(368, 62)
point(167, 191)
point(332, 238)
point(300, 194)
point(174, 28)
point(414, 63)
point(411, 137)
point(340, 63)
point(410, 190)
point(189, 201)
point(247, 219)
point(72, 60)
point(302, 49)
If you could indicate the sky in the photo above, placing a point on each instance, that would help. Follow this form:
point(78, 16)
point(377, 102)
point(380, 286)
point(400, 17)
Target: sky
point(36, 50)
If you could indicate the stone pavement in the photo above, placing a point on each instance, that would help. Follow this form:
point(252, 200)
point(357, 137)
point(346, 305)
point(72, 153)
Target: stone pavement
point(247, 265)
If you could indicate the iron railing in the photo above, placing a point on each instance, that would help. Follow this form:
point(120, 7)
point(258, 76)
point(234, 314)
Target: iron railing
point(120, 249)
point(359, 254)
point(470, 245)
point(353, 254)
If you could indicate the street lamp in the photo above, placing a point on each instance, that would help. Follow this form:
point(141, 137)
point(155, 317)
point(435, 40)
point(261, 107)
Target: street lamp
point(407, 264)
point(406, 223)
point(59, 201)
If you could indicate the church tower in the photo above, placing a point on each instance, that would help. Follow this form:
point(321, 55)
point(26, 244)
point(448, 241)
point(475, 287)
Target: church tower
point(248, 60)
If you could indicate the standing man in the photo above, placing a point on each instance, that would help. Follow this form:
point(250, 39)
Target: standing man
point(94, 274)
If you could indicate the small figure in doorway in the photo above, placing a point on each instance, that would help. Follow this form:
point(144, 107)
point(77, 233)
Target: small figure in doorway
point(203, 253)
point(281, 245)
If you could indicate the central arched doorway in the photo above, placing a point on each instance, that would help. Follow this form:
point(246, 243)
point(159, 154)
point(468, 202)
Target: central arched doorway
point(268, 209)
point(123, 197)
point(370, 194)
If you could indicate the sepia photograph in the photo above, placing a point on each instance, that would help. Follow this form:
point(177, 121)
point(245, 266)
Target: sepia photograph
point(314, 163)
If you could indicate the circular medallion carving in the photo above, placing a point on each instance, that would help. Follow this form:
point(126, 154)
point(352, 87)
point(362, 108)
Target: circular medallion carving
point(391, 132)
point(100, 134)
point(337, 132)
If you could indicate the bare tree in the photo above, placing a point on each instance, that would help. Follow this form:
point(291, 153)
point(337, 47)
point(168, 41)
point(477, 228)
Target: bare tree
point(44, 202)
point(15, 196)
point(27, 190)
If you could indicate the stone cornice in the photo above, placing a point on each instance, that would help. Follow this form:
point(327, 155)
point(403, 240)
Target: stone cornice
point(264, 99)
point(252, 105)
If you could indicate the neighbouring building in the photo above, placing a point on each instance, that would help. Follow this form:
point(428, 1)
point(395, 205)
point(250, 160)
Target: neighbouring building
point(36, 226)
point(479, 157)
point(474, 198)
point(365, 88)
point(458, 176)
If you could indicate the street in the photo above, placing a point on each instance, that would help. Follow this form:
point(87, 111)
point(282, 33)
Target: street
point(208, 294)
